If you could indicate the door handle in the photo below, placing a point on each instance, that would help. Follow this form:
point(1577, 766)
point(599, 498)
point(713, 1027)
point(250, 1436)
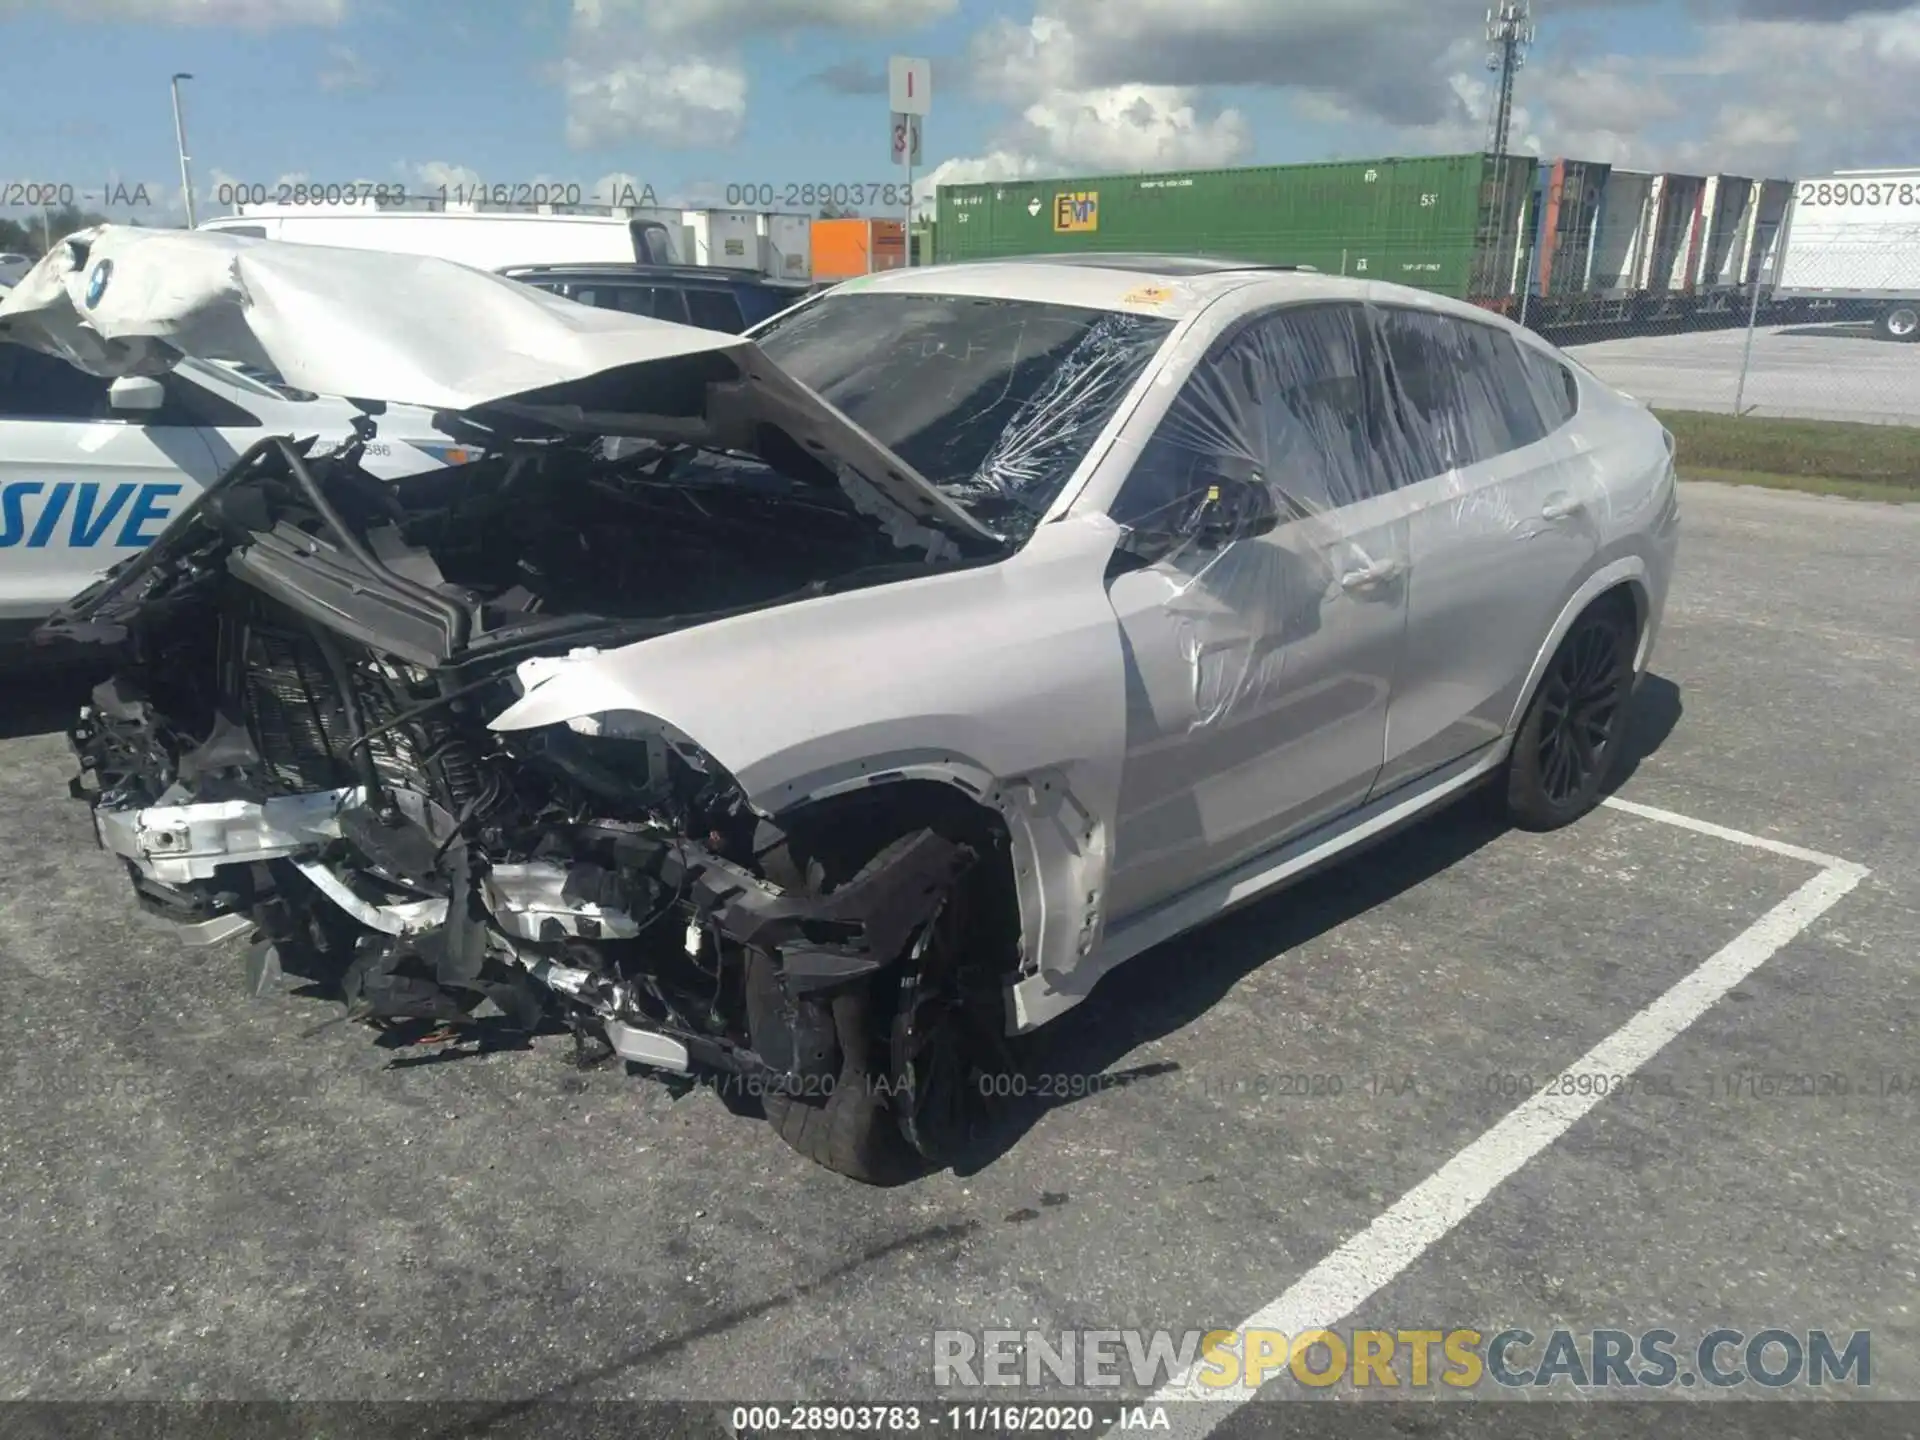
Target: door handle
point(1560, 506)
point(1368, 576)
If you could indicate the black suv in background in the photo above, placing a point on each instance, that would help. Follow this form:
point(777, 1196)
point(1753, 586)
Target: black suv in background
point(702, 295)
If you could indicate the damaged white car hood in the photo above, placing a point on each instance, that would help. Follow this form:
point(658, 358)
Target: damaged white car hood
point(416, 330)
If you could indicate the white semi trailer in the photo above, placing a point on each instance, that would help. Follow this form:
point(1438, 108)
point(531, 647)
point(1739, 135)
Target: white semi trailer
point(772, 245)
point(1852, 246)
point(485, 239)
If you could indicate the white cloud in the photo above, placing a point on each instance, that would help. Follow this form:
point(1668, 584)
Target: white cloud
point(996, 165)
point(1135, 127)
point(1066, 122)
point(729, 19)
point(683, 104)
point(670, 72)
point(1767, 98)
point(428, 176)
point(1133, 84)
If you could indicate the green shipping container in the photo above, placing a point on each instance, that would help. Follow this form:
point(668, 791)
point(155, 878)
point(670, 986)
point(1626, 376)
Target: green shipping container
point(1450, 223)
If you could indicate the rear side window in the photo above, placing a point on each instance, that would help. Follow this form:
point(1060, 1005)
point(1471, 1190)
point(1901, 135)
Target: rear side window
point(715, 310)
point(1554, 388)
point(634, 299)
point(760, 304)
point(1464, 394)
point(671, 305)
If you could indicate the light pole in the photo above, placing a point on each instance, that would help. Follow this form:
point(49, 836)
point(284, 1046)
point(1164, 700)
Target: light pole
point(180, 139)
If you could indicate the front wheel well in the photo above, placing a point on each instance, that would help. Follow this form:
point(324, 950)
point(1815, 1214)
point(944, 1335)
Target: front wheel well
point(823, 843)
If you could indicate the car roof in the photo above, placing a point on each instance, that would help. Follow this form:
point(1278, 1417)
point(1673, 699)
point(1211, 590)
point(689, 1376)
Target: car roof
point(1172, 286)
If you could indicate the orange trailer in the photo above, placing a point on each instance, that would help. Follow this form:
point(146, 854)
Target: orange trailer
point(845, 248)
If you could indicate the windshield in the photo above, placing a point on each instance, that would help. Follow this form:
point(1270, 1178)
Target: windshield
point(994, 401)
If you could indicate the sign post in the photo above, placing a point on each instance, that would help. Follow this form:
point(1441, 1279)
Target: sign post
point(909, 98)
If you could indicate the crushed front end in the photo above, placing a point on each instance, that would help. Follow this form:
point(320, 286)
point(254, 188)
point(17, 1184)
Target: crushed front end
point(294, 746)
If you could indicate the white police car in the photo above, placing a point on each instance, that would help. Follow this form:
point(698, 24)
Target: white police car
point(92, 470)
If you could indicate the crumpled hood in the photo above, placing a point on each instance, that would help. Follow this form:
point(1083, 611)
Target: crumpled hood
point(416, 330)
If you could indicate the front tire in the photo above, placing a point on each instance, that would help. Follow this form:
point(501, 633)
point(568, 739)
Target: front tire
point(1569, 742)
point(850, 1131)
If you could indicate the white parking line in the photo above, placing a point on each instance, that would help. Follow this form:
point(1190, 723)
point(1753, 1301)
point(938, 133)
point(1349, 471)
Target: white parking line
point(1342, 1282)
point(1738, 837)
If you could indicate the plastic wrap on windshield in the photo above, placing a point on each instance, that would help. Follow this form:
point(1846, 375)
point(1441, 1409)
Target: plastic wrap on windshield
point(993, 401)
point(1056, 424)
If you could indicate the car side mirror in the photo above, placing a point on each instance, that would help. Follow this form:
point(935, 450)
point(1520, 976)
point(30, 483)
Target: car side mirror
point(136, 395)
point(1234, 510)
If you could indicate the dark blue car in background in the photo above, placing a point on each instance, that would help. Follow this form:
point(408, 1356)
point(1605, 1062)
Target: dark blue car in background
point(705, 296)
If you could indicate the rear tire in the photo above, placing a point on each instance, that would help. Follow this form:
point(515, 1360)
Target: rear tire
point(1900, 321)
point(1569, 743)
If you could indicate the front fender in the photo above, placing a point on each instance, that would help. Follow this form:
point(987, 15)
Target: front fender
point(1007, 681)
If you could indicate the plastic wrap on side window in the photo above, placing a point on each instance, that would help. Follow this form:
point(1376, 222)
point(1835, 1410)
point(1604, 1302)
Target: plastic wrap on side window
point(1294, 404)
point(1055, 424)
point(1315, 409)
point(1290, 412)
point(1464, 392)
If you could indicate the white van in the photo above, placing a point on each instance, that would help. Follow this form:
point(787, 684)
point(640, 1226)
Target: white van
point(484, 239)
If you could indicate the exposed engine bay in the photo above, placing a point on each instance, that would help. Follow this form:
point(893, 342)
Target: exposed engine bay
point(295, 745)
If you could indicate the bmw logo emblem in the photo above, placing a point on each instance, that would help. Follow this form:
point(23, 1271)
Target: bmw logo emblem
point(97, 282)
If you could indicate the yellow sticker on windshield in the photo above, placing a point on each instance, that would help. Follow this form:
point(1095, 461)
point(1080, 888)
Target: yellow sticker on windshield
point(1147, 295)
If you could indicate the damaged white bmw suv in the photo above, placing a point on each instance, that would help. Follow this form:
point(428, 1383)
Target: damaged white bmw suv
point(891, 674)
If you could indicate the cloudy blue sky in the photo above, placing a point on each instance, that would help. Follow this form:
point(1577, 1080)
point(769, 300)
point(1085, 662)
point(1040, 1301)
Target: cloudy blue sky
point(690, 96)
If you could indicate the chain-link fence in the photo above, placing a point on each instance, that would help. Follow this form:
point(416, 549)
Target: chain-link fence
point(1847, 351)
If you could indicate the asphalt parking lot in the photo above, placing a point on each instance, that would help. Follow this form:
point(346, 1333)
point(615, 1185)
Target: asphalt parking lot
point(1808, 371)
point(208, 1196)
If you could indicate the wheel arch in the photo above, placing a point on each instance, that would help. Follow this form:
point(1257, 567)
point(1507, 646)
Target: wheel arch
point(1045, 853)
point(1622, 581)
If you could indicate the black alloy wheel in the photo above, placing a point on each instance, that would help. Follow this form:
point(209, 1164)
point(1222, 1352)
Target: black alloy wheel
point(1570, 739)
